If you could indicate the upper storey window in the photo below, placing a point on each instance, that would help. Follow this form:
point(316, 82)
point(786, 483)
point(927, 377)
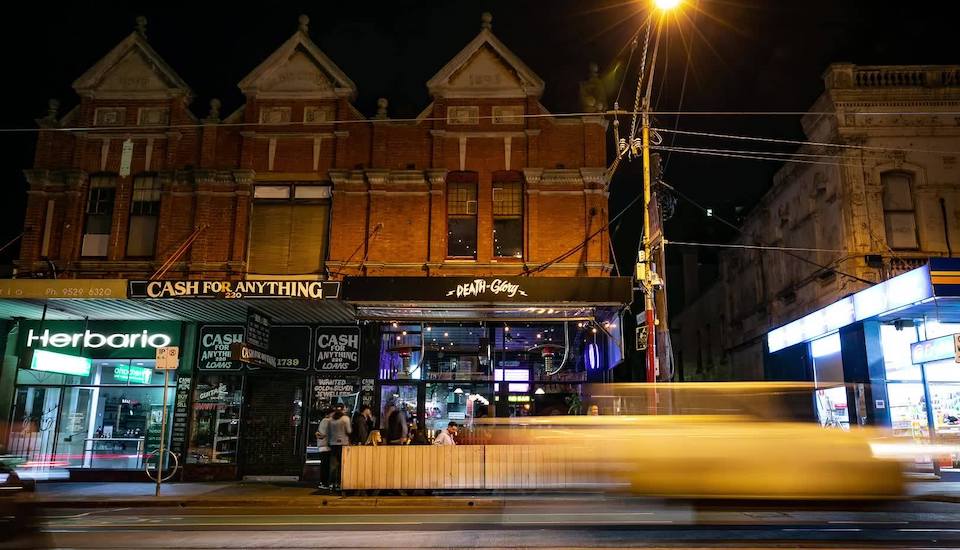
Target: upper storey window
point(462, 215)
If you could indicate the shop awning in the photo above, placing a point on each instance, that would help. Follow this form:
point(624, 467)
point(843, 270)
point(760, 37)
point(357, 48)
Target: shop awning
point(487, 298)
point(107, 299)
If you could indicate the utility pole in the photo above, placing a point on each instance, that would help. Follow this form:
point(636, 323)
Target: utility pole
point(645, 263)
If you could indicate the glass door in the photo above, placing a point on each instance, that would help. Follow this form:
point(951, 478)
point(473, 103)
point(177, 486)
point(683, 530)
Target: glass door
point(76, 429)
point(34, 426)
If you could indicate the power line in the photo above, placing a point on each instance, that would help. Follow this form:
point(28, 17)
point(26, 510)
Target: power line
point(787, 252)
point(798, 142)
point(695, 151)
point(576, 248)
point(754, 247)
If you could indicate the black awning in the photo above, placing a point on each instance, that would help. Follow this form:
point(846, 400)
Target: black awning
point(500, 291)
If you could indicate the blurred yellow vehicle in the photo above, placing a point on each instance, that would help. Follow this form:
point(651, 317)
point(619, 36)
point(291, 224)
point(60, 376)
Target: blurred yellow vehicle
point(703, 441)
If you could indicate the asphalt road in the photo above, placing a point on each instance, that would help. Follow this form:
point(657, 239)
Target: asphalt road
point(593, 523)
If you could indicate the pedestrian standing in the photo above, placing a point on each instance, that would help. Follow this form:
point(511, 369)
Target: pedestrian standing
point(362, 424)
point(339, 436)
point(323, 447)
point(397, 428)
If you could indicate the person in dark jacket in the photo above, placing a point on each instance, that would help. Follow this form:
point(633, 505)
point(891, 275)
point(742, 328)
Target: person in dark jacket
point(362, 425)
point(397, 428)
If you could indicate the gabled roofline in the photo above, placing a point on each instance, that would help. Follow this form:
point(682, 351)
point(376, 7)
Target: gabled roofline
point(86, 84)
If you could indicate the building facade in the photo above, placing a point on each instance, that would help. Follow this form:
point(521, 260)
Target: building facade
point(300, 254)
point(874, 192)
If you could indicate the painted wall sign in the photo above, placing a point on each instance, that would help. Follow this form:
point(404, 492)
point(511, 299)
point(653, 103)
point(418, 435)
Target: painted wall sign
point(337, 349)
point(63, 288)
point(213, 349)
point(99, 339)
point(311, 290)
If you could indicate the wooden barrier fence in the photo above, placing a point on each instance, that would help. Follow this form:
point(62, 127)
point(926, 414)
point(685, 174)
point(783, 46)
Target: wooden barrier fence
point(466, 467)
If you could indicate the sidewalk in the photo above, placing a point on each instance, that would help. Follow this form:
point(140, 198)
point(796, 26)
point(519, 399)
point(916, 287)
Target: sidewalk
point(294, 495)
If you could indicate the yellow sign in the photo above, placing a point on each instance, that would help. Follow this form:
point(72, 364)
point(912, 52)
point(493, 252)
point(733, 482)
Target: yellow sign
point(104, 289)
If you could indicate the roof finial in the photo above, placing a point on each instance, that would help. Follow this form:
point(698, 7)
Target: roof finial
point(486, 21)
point(53, 105)
point(382, 104)
point(214, 114)
point(304, 23)
point(142, 26)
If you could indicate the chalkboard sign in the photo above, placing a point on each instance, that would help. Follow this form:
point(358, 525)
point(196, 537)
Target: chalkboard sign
point(213, 353)
point(257, 331)
point(337, 349)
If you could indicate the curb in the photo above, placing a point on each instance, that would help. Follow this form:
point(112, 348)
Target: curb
point(312, 501)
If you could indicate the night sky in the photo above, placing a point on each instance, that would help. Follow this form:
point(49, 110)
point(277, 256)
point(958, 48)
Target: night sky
point(748, 55)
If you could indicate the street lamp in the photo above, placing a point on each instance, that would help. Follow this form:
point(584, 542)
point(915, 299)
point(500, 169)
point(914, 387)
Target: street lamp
point(666, 4)
point(645, 272)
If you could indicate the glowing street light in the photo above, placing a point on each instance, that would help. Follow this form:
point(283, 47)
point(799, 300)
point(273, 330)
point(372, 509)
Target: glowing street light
point(666, 5)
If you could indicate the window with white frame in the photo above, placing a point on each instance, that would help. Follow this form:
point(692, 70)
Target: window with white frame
point(289, 229)
point(899, 213)
point(144, 216)
point(99, 215)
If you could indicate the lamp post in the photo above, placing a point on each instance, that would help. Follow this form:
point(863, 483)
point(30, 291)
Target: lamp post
point(645, 272)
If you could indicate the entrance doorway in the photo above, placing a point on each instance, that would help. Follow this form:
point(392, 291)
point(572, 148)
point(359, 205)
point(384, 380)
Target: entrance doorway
point(272, 439)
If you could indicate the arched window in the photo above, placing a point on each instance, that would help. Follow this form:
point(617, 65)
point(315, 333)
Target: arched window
point(462, 215)
point(899, 214)
point(508, 215)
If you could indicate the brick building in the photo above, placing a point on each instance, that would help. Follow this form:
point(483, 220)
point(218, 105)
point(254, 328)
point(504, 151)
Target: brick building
point(395, 254)
point(515, 191)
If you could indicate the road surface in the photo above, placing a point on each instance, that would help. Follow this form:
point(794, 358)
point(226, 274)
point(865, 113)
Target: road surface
point(592, 523)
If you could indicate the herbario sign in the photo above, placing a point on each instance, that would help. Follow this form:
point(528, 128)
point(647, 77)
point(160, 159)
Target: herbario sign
point(99, 339)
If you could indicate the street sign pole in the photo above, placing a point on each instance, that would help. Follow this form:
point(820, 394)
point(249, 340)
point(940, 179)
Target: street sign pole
point(163, 431)
point(167, 360)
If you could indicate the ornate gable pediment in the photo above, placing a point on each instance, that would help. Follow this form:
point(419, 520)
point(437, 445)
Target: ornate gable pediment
point(131, 70)
point(485, 68)
point(298, 69)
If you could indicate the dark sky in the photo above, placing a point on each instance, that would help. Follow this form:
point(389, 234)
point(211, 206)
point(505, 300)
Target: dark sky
point(748, 55)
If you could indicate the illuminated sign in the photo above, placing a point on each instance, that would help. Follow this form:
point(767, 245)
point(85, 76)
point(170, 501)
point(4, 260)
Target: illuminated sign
point(900, 291)
point(314, 290)
point(48, 361)
point(935, 349)
point(90, 339)
point(479, 287)
point(132, 375)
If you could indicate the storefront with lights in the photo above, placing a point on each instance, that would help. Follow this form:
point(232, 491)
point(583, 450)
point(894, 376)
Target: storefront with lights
point(885, 356)
point(460, 349)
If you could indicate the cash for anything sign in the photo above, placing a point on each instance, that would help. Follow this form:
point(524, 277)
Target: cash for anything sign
point(337, 349)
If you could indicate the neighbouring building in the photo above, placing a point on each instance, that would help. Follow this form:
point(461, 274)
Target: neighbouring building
point(876, 193)
point(300, 254)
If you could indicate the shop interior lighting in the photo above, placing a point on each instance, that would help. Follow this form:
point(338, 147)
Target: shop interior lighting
point(539, 391)
point(458, 391)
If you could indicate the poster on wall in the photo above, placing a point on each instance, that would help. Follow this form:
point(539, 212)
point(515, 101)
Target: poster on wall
point(351, 392)
point(181, 416)
point(337, 349)
point(213, 351)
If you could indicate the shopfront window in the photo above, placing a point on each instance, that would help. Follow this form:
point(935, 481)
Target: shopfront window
point(831, 394)
point(217, 406)
point(455, 402)
point(108, 419)
point(456, 352)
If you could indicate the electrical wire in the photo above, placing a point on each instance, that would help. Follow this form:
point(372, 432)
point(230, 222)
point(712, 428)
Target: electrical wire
point(798, 142)
point(572, 251)
point(754, 247)
point(740, 232)
point(749, 156)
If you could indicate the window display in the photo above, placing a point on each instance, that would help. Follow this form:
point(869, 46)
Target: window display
point(106, 419)
point(217, 406)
